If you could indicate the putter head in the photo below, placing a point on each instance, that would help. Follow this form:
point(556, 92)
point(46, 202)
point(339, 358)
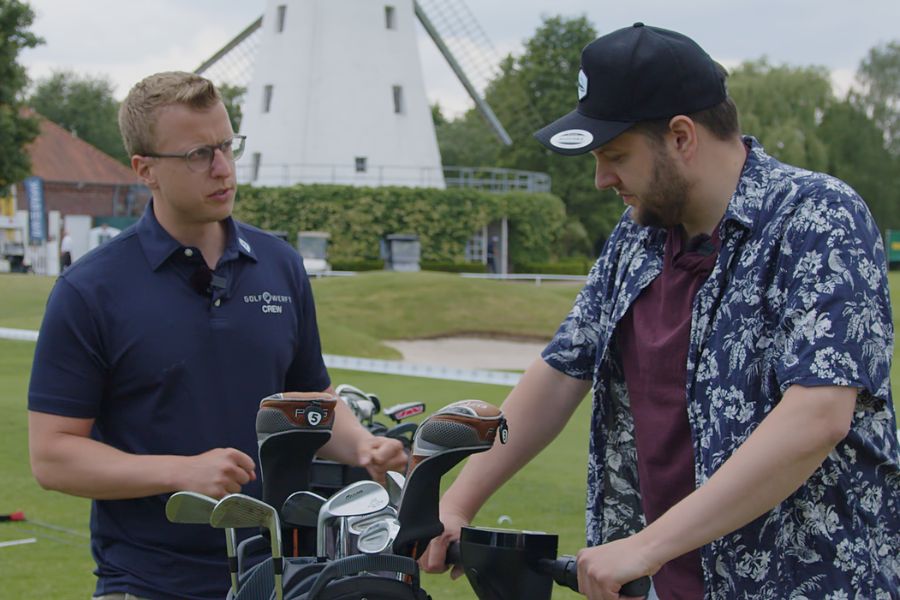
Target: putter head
point(190, 507)
point(290, 429)
point(301, 509)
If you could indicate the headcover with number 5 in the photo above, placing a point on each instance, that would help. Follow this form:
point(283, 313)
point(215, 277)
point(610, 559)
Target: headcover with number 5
point(290, 428)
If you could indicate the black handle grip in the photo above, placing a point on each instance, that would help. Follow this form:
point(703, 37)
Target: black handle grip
point(564, 571)
point(452, 557)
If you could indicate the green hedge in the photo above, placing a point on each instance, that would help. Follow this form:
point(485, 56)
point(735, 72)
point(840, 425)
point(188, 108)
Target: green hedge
point(358, 217)
point(454, 267)
point(356, 265)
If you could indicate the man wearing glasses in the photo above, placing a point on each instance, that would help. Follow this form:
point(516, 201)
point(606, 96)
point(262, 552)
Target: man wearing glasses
point(157, 347)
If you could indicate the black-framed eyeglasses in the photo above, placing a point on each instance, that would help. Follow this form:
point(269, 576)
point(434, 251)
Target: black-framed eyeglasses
point(200, 159)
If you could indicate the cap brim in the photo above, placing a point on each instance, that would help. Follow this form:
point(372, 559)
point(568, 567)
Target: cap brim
point(576, 134)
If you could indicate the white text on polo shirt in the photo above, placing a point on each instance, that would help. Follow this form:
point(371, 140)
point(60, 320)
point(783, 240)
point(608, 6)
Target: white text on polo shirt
point(272, 303)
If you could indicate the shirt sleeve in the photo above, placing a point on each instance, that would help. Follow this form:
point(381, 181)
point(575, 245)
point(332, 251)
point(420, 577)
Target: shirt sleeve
point(573, 349)
point(307, 372)
point(68, 372)
point(836, 325)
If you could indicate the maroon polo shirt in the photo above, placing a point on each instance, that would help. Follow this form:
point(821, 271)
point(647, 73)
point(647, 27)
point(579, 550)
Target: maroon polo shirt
point(653, 339)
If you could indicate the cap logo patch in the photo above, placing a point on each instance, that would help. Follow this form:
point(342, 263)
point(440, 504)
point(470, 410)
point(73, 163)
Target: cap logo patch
point(582, 85)
point(572, 139)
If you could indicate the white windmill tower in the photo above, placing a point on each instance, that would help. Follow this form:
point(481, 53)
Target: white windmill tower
point(336, 95)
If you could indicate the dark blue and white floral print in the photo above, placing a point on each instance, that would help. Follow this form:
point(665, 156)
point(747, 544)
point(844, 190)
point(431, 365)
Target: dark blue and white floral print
point(799, 295)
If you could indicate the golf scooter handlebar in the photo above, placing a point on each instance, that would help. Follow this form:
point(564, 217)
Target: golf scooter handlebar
point(564, 571)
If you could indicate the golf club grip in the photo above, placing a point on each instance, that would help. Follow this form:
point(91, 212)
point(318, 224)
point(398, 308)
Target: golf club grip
point(452, 557)
point(564, 571)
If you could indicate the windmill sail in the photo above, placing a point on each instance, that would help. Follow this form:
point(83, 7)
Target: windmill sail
point(233, 64)
point(471, 58)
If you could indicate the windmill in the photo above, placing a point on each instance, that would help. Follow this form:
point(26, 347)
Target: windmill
point(335, 92)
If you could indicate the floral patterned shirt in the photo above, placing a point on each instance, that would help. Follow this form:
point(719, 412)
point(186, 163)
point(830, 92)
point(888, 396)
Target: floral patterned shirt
point(798, 295)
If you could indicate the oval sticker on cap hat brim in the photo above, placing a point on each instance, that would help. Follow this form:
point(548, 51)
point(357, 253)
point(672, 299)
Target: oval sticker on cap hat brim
point(572, 139)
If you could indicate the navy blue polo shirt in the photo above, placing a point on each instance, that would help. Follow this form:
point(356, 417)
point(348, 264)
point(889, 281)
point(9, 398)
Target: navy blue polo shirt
point(167, 365)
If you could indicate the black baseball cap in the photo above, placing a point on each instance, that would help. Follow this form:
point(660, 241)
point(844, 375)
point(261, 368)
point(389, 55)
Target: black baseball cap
point(634, 74)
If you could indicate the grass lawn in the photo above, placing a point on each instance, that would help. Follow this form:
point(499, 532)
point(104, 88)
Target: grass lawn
point(354, 313)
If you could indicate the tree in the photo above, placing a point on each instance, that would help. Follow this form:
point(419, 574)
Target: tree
point(465, 142)
point(531, 91)
point(83, 105)
point(782, 106)
point(232, 98)
point(879, 73)
point(16, 129)
point(856, 154)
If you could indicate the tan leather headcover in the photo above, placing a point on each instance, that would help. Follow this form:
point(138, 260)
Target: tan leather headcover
point(298, 406)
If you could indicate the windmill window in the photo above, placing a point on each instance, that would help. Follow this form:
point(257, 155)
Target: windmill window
point(390, 17)
point(282, 10)
point(361, 164)
point(257, 160)
point(267, 98)
point(398, 99)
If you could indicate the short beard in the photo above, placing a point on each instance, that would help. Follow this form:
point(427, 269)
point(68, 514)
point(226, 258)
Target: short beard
point(663, 204)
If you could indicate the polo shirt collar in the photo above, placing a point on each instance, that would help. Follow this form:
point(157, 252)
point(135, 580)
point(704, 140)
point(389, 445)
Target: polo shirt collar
point(158, 245)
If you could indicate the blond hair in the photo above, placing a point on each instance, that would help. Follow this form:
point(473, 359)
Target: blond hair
point(138, 113)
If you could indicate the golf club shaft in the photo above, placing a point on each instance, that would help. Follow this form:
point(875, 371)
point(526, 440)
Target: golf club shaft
point(231, 546)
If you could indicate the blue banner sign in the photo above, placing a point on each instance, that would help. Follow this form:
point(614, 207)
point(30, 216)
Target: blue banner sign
point(37, 216)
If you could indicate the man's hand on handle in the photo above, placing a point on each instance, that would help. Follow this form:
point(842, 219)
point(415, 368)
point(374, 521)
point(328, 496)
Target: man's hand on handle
point(603, 570)
point(435, 558)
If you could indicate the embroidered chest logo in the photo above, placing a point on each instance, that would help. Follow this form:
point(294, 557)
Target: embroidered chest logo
point(270, 304)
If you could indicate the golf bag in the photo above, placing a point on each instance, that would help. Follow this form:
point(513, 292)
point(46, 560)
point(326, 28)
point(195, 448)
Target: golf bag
point(357, 577)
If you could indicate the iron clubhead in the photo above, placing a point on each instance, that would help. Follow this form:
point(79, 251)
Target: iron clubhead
point(196, 508)
point(301, 509)
point(358, 498)
point(190, 507)
point(379, 536)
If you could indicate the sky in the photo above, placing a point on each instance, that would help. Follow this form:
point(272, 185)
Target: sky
point(125, 40)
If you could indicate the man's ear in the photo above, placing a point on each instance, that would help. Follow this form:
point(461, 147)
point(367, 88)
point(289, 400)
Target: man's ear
point(141, 165)
point(683, 133)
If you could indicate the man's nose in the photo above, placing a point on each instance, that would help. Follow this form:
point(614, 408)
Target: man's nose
point(221, 165)
point(605, 178)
